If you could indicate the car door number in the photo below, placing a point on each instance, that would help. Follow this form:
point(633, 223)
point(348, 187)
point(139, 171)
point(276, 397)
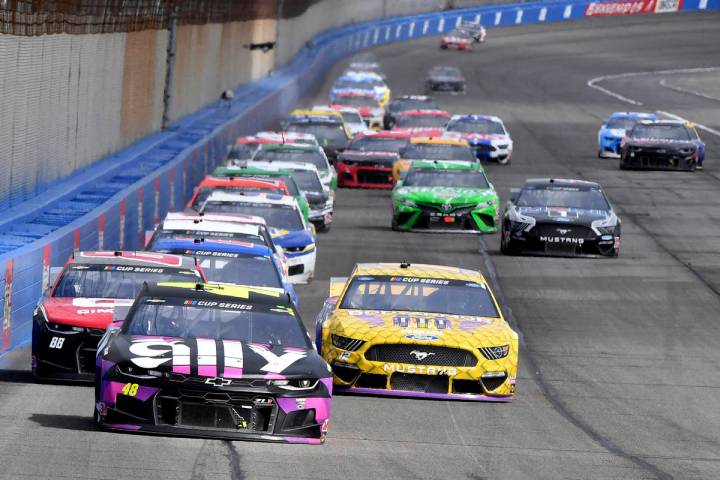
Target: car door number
point(57, 342)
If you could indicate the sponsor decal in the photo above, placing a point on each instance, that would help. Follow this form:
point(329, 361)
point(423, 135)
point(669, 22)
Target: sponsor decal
point(421, 369)
point(425, 281)
point(632, 7)
point(221, 305)
point(440, 323)
point(422, 338)
point(101, 232)
point(218, 381)
point(7, 307)
point(344, 356)
point(121, 234)
point(563, 240)
point(665, 6)
point(275, 363)
point(420, 355)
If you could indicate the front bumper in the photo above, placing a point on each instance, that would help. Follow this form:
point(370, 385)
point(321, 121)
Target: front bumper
point(429, 219)
point(580, 241)
point(195, 409)
point(453, 87)
point(609, 147)
point(654, 160)
point(63, 352)
point(301, 266)
point(352, 176)
point(487, 151)
point(354, 373)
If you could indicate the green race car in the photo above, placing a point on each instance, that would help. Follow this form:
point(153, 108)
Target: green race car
point(445, 196)
point(276, 174)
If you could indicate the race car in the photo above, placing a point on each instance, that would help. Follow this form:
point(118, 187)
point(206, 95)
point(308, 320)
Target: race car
point(220, 361)
point(229, 259)
point(211, 184)
point(328, 127)
point(442, 148)
point(289, 137)
point(353, 119)
point(373, 67)
point(485, 134)
point(421, 122)
point(383, 141)
point(445, 197)
point(417, 331)
point(282, 214)
point(366, 103)
point(662, 145)
point(459, 39)
point(370, 169)
point(404, 103)
point(244, 170)
point(70, 319)
point(445, 79)
point(300, 154)
point(352, 80)
point(614, 130)
point(319, 197)
point(560, 217)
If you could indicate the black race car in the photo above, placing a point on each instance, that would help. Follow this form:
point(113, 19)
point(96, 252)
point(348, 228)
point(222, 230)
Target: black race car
point(407, 102)
point(662, 145)
point(445, 79)
point(213, 360)
point(560, 217)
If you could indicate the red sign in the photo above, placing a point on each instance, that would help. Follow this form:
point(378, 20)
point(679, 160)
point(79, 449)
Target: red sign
point(46, 267)
point(597, 9)
point(121, 235)
point(76, 239)
point(7, 308)
point(101, 232)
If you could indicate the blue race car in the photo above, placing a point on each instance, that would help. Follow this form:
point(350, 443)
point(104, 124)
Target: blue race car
point(231, 261)
point(287, 226)
point(614, 130)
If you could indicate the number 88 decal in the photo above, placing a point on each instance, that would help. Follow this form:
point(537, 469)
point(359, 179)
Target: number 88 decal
point(57, 342)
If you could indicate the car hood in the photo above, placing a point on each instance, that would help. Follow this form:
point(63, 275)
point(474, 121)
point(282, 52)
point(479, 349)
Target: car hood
point(612, 132)
point(83, 312)
point(227, 358)
point(446, 195)
point(578, 216)
point(292, 238)
point(475, 138)
point(417, 327)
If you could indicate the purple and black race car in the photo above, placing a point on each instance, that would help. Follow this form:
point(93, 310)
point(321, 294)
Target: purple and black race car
point(213, 360)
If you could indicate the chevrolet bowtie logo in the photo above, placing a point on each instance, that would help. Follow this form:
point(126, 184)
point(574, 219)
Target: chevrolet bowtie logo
point(218, 381)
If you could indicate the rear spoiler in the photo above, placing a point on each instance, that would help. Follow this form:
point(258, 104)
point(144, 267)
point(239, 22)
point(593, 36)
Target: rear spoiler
point(336, 285)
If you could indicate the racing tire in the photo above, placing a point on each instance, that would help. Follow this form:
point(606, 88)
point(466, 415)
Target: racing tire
point(443, 47)
point(622, 165)
point(506, 248)
point(504, 161)
point(394, 224)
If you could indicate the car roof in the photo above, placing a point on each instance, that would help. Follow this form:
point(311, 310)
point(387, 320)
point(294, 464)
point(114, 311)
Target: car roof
point(561, 182)
point(419, 98)
point(442, 140)
point(384, 134)
point(441, 165)
point(632, 115)
point(289, 147)
point(211, 226)
point(212, 181)
point(285, 165)
point(491, 118)
point(149, 259)
point(421, 112)
point(252, 197)
point(221, 292)
point(196, 245)
point(217, 217)
point(418, 270)
point(360, 154)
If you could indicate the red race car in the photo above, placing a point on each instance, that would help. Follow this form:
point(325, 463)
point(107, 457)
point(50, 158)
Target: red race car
point(421, 122)
point(70, 320)
point(459, 39)
point(365, 169)
point(228, 184)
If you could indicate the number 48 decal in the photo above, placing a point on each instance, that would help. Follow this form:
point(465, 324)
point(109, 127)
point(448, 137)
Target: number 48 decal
point(57, 342)
point(130, 389)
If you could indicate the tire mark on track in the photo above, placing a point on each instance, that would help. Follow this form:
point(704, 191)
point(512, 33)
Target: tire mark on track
point(233, 457)
point(552, 394)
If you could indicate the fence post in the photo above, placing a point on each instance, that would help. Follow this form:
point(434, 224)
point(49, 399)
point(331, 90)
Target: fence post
point(170, 67)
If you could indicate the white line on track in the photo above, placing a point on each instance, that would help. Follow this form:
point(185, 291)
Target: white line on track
point(593, 83)
point(664, 83)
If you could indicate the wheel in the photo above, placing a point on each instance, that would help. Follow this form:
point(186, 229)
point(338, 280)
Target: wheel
point(622, 165)
point(503, 161)
point(394, 224)
point(506, 247)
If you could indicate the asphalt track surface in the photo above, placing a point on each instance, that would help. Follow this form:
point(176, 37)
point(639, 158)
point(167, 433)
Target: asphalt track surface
point(619, 374)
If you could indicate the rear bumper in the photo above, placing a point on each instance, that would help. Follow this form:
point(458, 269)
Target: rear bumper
point(364, 177)
point(657, 161)
point(63, 355)
point(533, 244)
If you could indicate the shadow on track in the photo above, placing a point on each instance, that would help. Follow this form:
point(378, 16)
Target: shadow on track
point(65, 422)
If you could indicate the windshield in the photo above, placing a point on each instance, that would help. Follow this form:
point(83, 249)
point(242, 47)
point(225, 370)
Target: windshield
point(258, 324)
point(115, 281)
point(296, 156)
point(445, 178)
point(563, 197)
point(378, 144)
point(483, 126)
point(242, 151)
point(445, 72)
point(663, 132)
point(438, 121)
point(240, 269)
point(431, 151)
point(401, 105)
point(355, 101)
point(205, 192)
point(194, 234)
point(308, 180)
point(621, 123)
point(351, 117)
point(278, 216)
point(324, 132)
point(414, 294)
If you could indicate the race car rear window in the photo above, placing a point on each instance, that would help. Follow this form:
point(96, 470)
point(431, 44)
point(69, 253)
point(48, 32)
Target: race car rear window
point(240, 269)
point(278, 216)
point(482, 126)
point(324, 132)
point(415, 294)
point(661, 132)
point(378, 144)
point(413, 104)
point(351, 117)
point(429, 151)
point(563, 197)
point(205, 192)
point(115, 281)
point(276, 326)
point(314, 158)
point(355, 101)
point(407, 121)
point(445, 178)
point(242, 151)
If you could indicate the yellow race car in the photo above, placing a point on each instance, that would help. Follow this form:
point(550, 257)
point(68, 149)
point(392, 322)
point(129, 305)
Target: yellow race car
point(448, 148)
point(417, 330)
